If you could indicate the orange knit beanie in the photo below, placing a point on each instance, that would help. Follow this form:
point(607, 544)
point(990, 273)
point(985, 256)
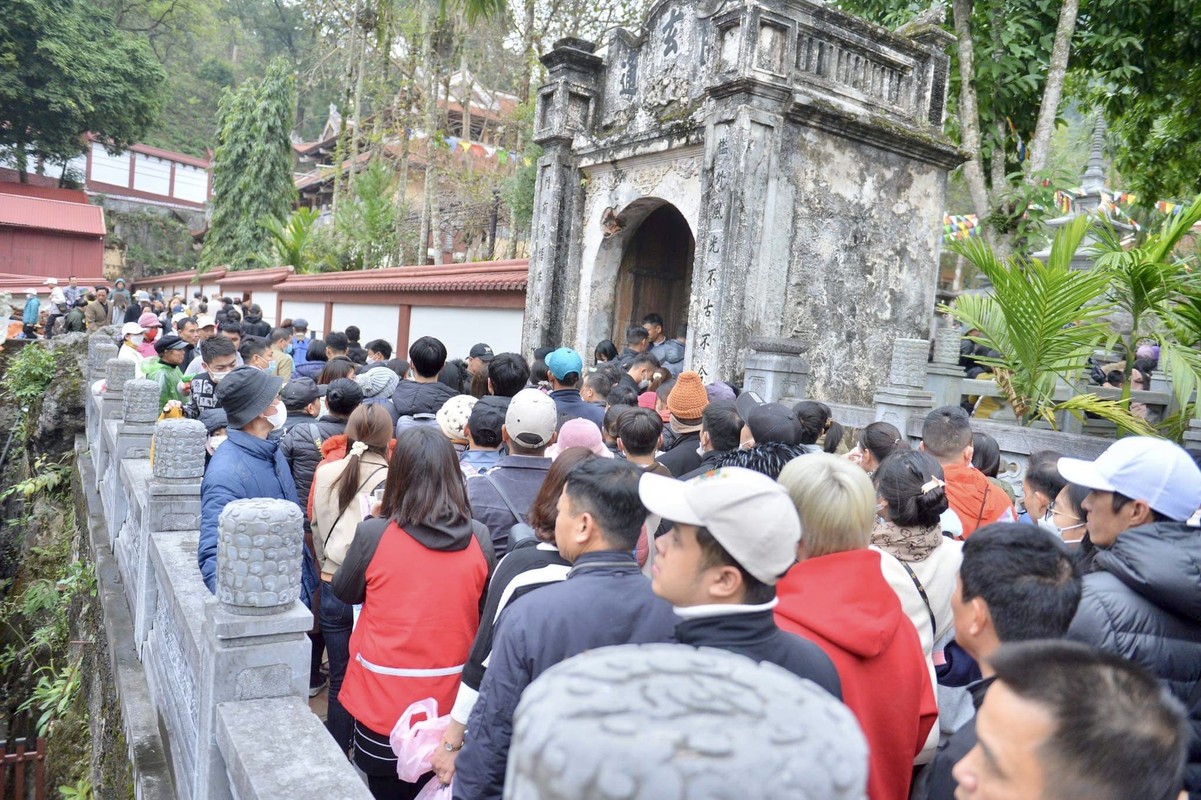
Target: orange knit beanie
point(688, 398)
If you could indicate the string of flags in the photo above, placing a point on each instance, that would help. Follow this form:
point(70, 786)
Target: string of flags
point(959, 226)
point(454, 144)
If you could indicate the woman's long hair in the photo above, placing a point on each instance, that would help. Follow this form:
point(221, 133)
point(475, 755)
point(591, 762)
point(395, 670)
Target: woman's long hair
point(371, 425)
point(425, 484)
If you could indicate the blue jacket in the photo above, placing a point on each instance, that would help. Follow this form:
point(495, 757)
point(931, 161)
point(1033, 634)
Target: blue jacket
point(300, 351)
point(604, 601)
point(307, 369)
point(571, 406)
point(30, 315)
point(244, 467)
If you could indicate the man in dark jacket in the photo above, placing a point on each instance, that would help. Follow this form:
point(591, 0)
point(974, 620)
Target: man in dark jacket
point(735, 533)
point(218, 358)
point(721, 432)
point(564, 368)
point(301, 443)
point(1016, 584)
point(354, 350)
point(686, 404)
point(604, 601)
point(508, 374)
point(418, 400)
point(1143, 597)
point(249, 464)
point(637, 342)
point(254, 325)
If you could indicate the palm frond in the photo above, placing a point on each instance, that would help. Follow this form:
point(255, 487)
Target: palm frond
point(1115, 411)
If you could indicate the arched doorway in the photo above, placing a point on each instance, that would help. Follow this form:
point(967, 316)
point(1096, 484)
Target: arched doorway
point(656, 268)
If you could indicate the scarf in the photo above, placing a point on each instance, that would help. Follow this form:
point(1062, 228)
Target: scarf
point(906, 544)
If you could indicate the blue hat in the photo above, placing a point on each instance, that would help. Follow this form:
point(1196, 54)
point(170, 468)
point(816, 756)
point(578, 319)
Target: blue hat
point(563, 362)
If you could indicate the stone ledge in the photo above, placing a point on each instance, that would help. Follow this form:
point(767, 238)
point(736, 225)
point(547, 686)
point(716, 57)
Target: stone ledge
point(264, 767)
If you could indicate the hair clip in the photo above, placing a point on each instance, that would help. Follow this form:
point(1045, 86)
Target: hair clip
point(358, 448)
point(931, 485)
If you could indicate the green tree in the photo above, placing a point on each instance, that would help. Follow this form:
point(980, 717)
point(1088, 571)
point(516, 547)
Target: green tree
point(252, 169)
point(291, 242)
point(66, 70)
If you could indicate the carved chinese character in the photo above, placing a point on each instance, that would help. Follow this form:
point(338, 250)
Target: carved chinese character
point(671, 42)
point(629, 75)
point(708, 308)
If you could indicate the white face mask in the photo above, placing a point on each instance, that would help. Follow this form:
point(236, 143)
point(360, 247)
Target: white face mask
point(217, 376)
point(215, 442)
point(136, 339)
point(277, 417)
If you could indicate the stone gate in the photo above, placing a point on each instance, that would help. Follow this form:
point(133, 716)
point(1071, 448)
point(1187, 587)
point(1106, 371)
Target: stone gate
point(764, 168)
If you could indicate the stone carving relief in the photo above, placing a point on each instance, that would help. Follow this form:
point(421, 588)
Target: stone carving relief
point(180, 683)
point(946, 346)
point(141, 401)
point(669, 721)
point(100, 350)
point(909, 363)
point(116, 373)
point(179, 449)
point(259, 551)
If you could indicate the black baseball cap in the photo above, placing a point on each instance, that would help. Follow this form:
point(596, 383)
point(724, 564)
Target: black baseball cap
point(772, 422)
point(300, 392)
point(481, 351)
point(485, 423)
point(169, 342)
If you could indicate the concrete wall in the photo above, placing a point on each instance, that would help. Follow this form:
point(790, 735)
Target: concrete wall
point(460, 328)
point(375, 321)
point(313, 313)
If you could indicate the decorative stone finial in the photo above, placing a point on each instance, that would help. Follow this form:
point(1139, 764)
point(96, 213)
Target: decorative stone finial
point(116, 372)
point(260, 545)
point(1093, 181)
point(909, 363)
point(100, 350)
point(141, 401)
point(720, 725)
point(946, 346)
point(179, 449)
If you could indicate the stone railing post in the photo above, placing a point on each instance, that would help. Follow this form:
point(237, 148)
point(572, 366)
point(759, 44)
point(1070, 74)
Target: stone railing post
point(704, 735)
point(116, 373)
point(944, 377)
point(255, 643)
point(1192, 434)
point(905, 399)
point(100, 350)
point(776, 370)
point(126, 437)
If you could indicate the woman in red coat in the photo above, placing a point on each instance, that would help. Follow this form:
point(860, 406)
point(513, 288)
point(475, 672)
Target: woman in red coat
point(838, 598)
point(419, 572)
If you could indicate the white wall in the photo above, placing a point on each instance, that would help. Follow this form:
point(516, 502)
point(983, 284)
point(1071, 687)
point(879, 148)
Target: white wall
point(312, 313)
point(460, 328)
point(109, 169)
point(374, 321)
point(191, 183)
point(212, 291)
point(152, 174)
point(266, 301)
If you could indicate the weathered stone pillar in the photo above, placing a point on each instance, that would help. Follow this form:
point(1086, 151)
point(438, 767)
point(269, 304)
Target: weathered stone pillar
point(944, 377)
point(100, 349)
point(775, 369)
point(112, 401)
point(904, 399)
point(255, 642)
point(127, 437)
point(721, 725)
point(565, 107)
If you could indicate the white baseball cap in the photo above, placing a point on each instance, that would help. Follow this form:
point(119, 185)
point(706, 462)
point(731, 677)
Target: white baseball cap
point(132, 329)
point(748, 513)
point(1142, 468)
point(204, 321)
point(531, 419)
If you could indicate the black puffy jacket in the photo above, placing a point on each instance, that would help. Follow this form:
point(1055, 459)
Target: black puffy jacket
point(301, 446)
point(255, 326)
point(1143, 602)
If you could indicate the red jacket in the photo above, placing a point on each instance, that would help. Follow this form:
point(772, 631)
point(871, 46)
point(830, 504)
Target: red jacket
point(843, 603)
point(975, 500)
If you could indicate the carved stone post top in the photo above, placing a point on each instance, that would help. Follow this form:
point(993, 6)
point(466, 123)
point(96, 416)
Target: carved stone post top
point(140, 403)
point(909, 362)
point(179, 449)
point(260, 545)
point(740, 717)
point(116, 372)
point(946, 346)
point(778, 344)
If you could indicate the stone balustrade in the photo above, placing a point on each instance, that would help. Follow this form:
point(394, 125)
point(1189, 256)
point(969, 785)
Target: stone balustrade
point(225, 677)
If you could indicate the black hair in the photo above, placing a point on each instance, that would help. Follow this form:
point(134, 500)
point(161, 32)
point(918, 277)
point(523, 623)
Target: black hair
point(280, 335)
point(768, 458)
point(606, 348)
point(454, 373)
point(509, 374)
point(639, 430)
point(613, 415)
point(335, 340)
point(427, 356)
point(183, 322)
point(230, 326)
point(723, 423)
point(256, 309)
point(379, 346)
point(882, 439)
point(399, 366)
point(645, 358)
point(682, 330)
point(607, 488)
point(599, 383)
point(539, 373)
point(665, 389)
point(816, 419)
point(714, 555)
point(540, 353)
point(316, 351)
point(353, 333)
point(570, 380)
point(900, 479)
point(986, 454)
point(653, 319)
point(215, 347)
point(335, 368)
point(1120, 501)
point(1042, 473)
point(1119, 732)
point(1027, 578)
point(343, 397)
point(252, 346)
point(621, 395)
point(946, 431)
point(636, 334)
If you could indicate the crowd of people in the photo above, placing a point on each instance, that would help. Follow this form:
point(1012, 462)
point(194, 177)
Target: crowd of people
point(471, 523)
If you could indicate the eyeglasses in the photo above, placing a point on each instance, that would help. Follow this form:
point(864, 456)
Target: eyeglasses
point(1053, 509)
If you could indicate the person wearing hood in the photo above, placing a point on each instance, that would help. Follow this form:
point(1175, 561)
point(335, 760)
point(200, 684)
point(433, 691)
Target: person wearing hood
point(423, 552)
point(418, 400)
point(378, 386)
point(150, 330)
point(120, 300)
point(686, 405)
point(837, 597)
point(29, 317)
point(1142, 599)
point(131, 344)
point(254, 325)
point(947, 435)
point(249, 464)
point(139, 306)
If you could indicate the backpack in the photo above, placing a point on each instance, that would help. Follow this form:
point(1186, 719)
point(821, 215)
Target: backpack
point(521, 531)
point(411, 420)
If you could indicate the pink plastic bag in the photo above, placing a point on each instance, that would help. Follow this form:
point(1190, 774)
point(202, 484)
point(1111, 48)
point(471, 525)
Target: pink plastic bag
point(435, 790)
point(416, 742)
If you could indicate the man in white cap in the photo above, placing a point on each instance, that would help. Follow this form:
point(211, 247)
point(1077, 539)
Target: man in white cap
point(132, 335)
point(58, 305)
point(1142, 599)
point(734, 533)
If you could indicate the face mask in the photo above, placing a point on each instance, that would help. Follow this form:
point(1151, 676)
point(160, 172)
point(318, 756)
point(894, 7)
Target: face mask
point(277, 418)
point(288, 349)
point(136, 339)
point(214, 442)
point(150, 335)
point(217, 376)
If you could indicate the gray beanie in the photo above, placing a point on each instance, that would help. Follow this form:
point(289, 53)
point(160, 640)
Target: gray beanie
point(377, 382)
point(245, 393)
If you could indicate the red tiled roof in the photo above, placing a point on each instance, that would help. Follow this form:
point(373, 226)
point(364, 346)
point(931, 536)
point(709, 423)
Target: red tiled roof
point(484, 276)
point(82, 219)
point(44, 192)
point(255, 277)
